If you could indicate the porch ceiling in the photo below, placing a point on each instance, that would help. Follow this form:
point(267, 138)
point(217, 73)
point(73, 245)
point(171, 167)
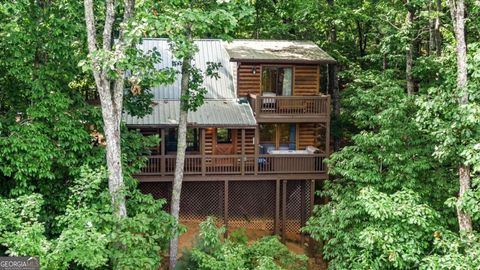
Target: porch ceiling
point(212, 113)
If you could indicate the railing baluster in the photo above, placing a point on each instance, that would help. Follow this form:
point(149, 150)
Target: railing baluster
point(237, 164)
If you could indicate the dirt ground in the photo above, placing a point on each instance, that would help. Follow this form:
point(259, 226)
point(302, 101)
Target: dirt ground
point(255, 231)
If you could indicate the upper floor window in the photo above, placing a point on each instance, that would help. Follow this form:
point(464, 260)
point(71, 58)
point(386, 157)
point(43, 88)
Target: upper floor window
point(276, 81)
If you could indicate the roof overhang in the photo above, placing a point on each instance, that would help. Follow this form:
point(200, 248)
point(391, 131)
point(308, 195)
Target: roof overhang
point(213, 113)
point(282, 61)
point(277, 51)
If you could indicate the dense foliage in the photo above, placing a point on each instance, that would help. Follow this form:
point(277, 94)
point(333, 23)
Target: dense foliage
point(211, 251)
point(54, 198)
point(391, 200)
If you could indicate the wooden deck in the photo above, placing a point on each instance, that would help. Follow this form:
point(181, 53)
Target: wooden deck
point(296, 108)
point(237, 165)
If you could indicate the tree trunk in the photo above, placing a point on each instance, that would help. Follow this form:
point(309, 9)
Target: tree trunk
point(180, 161)
point(335, 91)
point(257, 20)
point(457, 10)
point(111, 96)
point(332, 33)
point(111, 128)
point(409, 54)
point(436, 29)
point(385, 61)
point(333, 80)
point(360, 39)
point(464, 219)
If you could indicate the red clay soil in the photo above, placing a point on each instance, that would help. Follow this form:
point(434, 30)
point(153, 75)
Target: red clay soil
point(293, 242)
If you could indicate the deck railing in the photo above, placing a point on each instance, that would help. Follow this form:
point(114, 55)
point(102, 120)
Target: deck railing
point(290, 105)
point(237, 164)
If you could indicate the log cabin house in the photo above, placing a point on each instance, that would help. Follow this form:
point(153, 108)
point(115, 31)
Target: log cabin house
point(257, 145)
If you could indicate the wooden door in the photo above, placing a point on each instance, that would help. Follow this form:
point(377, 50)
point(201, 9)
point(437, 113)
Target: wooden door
point(225, 145)
point(225, 141)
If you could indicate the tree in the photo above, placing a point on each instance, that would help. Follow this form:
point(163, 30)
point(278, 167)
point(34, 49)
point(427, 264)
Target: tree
point(181, 22)
point(385, 173)
point(409, 58)
point(109, 78)
point(86, 239)
point(457, 9)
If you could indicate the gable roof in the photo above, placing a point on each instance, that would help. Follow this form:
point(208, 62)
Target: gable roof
point(220, 107)
point(277, 51)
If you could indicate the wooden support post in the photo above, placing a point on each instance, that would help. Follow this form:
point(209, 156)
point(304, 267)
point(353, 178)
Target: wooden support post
point(312, 196)
point(277, 206)
point(202, 150)
point(303, 199)
point(242, 162)
point(311, 242)
point(284, 211)
point(327, 137)
point(225, 208)
point(159, 146)
point(162, 152)
point(256, 145)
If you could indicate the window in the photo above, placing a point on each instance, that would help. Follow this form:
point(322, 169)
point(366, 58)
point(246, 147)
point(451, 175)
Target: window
point(277, 136)
point(193, 142)
point(277, 80)
point(154, 150)
point(286, 136)
point(267, 133)
point(224, 135)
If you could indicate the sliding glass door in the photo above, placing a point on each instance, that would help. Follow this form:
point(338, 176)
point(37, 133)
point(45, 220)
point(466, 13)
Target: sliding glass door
point(276, 81)
point(277, 137)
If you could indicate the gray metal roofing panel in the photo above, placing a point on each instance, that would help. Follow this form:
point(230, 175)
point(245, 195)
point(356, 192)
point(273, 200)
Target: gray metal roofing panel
point(208, 51)
point(276, 51)
point(211, 113)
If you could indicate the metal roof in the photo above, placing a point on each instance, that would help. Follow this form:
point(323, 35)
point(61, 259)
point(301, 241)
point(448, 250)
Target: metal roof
point(221, 107)
point(209, 50)
point(212, 113)
point(277, 51)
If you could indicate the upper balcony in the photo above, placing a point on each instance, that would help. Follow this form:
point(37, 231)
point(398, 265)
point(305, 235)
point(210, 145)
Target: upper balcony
point(270, 109)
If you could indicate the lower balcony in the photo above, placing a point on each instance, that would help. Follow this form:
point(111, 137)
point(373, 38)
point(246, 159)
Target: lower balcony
point(239, 167)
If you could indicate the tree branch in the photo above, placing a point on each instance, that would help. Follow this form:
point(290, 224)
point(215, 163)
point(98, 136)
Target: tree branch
point(90, 23)
point(118, 86)
point(92, 39)
point(109, 20)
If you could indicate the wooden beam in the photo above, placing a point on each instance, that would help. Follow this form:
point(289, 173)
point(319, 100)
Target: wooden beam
point(242, 165)
point(297, 136)
point(284, 211)
point(294, 71)
point(311, 242)
point(256, 145)
point(202, 150)
point(225, 208)
point(209, 178)
point(292, 119)
point(327, 135)
point(162, 151)
point(318, 80)
point(277, 207)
